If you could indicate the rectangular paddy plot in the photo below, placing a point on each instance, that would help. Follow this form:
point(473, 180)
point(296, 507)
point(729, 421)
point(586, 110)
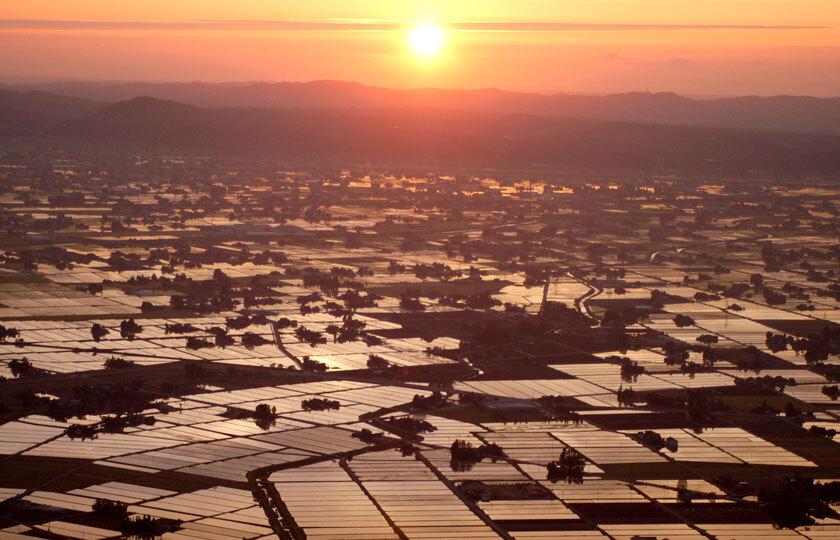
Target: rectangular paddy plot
point(414, 498)
point(329, 505)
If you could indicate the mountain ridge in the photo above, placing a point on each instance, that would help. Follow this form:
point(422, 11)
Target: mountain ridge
point(416, 135)
point(800, 114)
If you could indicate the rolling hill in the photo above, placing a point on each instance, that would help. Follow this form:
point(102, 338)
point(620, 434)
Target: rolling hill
point(780, 113)
point(429, 137)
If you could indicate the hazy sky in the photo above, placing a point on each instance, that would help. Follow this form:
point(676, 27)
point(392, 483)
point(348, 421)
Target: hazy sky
point(708, 47)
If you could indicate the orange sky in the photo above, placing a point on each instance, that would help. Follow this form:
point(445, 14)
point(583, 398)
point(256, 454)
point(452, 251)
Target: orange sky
point(712, 47)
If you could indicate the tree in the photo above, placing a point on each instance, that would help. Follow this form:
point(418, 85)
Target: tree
point(265, 416)
point(319, 404)
point(630, 370)
point(97, 331)
point(795, 502)
point(375, 362)
point(109, 508)
point(22, 367)
point(569, 467)
point(681, 321)
point(309, 336)
point(251, 340)
point(411, 302)
point(833, 392)
point(333, 330)
point(223, 340)
point(776, 342)
point(7, 332)
point(117, 363)
point(129, 329)
point(196, 343)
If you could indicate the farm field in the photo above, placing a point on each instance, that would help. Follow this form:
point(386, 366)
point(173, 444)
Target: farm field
point(198, 349)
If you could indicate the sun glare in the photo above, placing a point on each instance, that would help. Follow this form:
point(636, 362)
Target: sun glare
point(426, 39)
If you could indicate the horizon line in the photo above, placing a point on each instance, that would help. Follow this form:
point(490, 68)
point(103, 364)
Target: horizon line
point(5, 82)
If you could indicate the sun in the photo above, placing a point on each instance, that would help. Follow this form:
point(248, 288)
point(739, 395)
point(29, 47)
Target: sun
point(426, 39)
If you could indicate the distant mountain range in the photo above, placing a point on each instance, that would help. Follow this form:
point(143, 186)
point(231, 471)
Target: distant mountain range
point(30, 112)
point(413, 135)
point(780, 113)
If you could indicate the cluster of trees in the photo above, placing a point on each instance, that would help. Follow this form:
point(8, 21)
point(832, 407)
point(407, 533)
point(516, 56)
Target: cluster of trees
point(368, 437)
point(328, 283)
point(179, 328)
point(108, 424)
point(777, 383)
point(311, 337)
point(264, 416)
point(409, 424)
point(702, 407)
point(196, 343)
point(115, 362)
point(828, 433)
point(7, 332)
point(395, 268)
point(480, 302)
point(222, 339)
point(97, 332)
point(22, 367)
point(406, 449)
point(129, 329)
point(659, 298)
point(654, 440)
point(799, 502)
point(147, 527)
point(119, 399)
point(555, 408)
point(350, 330)
point(437, 271)
point(627, 396)
point(208, 303)
point(184, 256)
point(463, 455)
point(791, 411)
point(707, 339)
point(561, 314)
point(410, 301)
point(320, 404)
point(425, 403)
point(677, 354)
point(829, 371)
point(630, 370)
point(734, 290)
point(213, 295)
point(699, 404)
point(110, 509)
point(773, 298)
point(251, 301)
point(817, 347)
point(56, 256)
point(251, 340)
point(244, 321)
point(377, 363)
point(568, 468)
point(313, 365)
point(682, 321)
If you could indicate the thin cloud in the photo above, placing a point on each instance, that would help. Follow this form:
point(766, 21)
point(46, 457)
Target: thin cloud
point(373, 25)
